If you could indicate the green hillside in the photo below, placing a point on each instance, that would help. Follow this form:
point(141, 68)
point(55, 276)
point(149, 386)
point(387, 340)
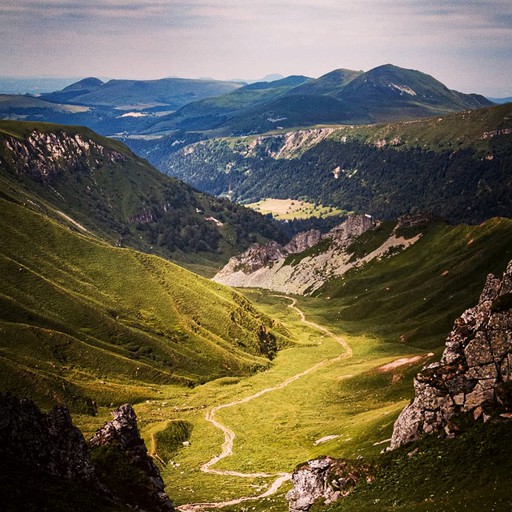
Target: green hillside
point(85, 323)
point(99, 185)
point(456, 166)
point(413, 297)
point(211, 113)
point(172, 92)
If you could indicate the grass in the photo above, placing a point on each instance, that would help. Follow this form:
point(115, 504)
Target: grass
point(471, 472)
point(86, 323)
point(287, 209)
point(277, 431)
point(454, 131)
point(422, 289)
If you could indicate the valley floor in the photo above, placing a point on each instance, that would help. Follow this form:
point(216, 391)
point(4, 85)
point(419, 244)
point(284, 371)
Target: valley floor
point(246, 434)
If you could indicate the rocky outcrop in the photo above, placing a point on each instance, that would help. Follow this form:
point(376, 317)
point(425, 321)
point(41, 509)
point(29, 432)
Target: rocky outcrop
point(474, 375)
point(318, 258)
point(259, 256)
point(324, 478)
point(302, 241)
point(48, 441)
point(122, 434)
point(52, 444)
point(44, 155)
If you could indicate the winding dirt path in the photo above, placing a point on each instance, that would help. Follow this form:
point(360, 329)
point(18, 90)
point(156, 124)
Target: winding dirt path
point(229, 435)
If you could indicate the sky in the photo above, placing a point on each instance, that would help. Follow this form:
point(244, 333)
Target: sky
point(466, 44)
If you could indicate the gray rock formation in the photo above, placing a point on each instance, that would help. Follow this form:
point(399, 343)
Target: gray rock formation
point(43, 155)
point(48, 441)
point(324, 478)
point(51, 443)
point(268, 266)
point(122, 434)
point(472, 376)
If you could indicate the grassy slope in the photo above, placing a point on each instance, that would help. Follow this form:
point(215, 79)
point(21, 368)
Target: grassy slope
point(454, 131)
point(210, 113)
point(414, 296)
point(84, 321)
point(471, 472)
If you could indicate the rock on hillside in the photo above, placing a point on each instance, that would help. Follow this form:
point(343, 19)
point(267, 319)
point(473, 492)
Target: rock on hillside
point(308, 260)
point(48, 441)
point(474, 375)
point(122, 434)
point(325, 478)
point(51, 444)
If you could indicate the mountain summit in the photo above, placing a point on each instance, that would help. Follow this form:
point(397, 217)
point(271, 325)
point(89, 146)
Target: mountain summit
point(342, 96)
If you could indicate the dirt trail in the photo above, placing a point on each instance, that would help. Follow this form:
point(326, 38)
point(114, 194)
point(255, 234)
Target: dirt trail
point(229, 435)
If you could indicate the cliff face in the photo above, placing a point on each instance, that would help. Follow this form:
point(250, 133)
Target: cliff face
point(42, 156)
point(52, 444)
point(474, 375)
point(318, 258)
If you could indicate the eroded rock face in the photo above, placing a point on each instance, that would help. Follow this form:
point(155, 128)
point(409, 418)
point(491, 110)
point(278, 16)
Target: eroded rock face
point(123, 434)
point(473, 373)
point(324, 478)
point(266, 266)
point(43, 155)
point(48, 441)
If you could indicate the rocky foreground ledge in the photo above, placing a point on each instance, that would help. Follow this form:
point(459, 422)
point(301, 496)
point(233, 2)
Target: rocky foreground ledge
point(473, 378)
point(52, 444)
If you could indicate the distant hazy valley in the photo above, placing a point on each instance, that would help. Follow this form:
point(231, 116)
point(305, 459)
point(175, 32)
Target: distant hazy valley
point(275, 385)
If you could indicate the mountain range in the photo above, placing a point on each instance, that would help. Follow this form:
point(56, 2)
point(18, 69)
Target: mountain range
point(172, 93)
point(157, 107)
point(385, 93)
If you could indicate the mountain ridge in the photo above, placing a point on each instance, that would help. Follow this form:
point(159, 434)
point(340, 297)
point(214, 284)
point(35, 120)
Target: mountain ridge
point(454, 166)
point(342, 96)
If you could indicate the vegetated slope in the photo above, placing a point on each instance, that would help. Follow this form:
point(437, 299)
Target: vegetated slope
point(86, 323)
point(171, 92)
point(211, 113)
point(389, 92)
point(103, 119)
point(412, 296)
point(10, 103)
point(385, 93)
point(465, 397)
point(100, 186)
point(455, 166)
point(331, 83)
point(469, 473)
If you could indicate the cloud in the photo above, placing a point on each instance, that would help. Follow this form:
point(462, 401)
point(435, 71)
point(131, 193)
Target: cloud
point(455, 40)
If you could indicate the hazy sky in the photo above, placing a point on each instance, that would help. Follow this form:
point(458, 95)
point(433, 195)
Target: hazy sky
point(467, 44)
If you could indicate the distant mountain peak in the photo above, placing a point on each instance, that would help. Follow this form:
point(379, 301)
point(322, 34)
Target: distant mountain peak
point(86, 83)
